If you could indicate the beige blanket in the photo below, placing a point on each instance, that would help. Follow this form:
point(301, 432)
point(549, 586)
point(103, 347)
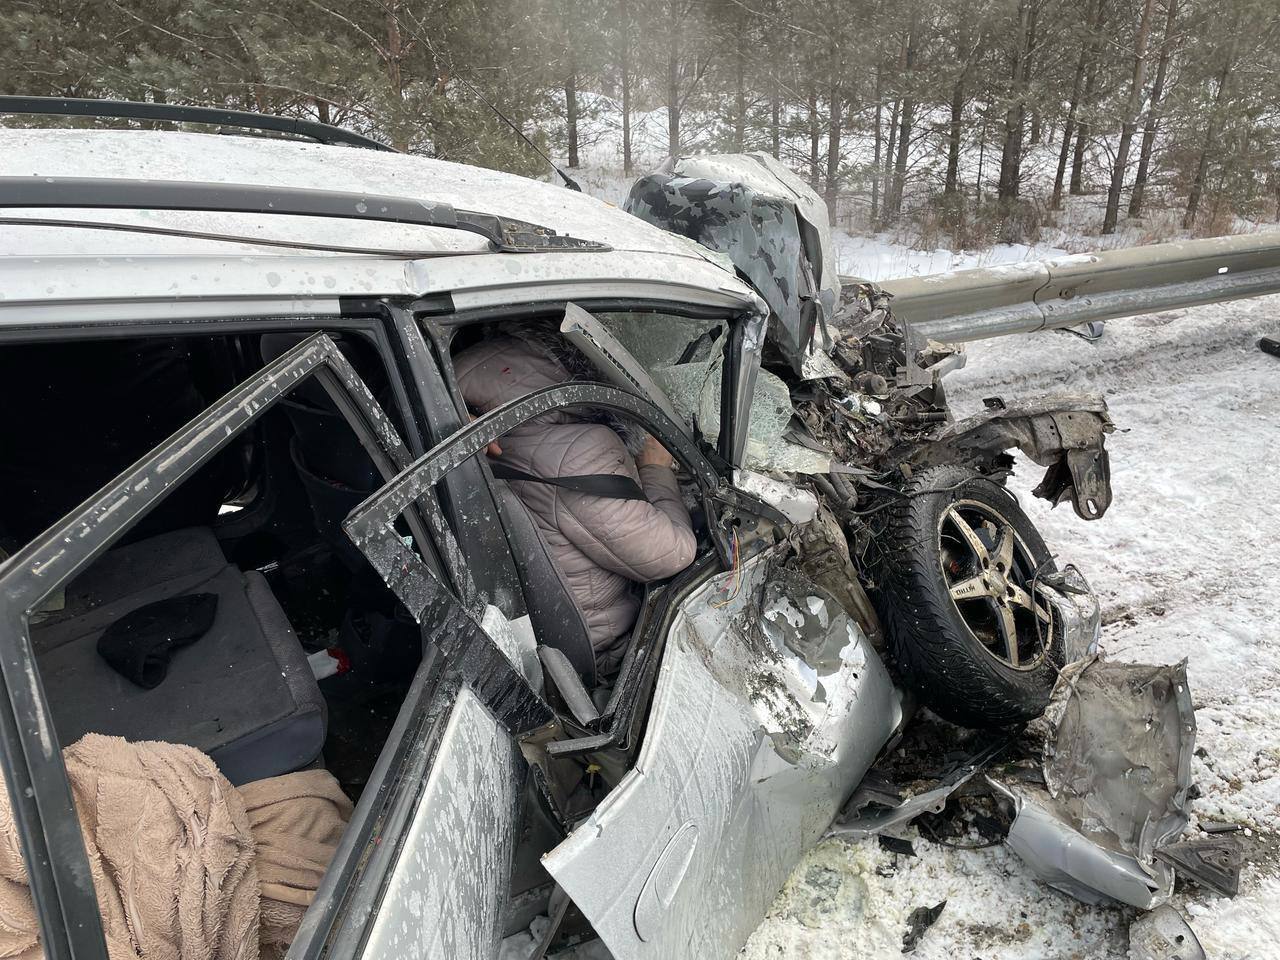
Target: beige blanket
point(185, 866)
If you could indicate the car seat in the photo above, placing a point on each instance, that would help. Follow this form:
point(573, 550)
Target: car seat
point(334, 468)
point(557, 621)
point(244, 692)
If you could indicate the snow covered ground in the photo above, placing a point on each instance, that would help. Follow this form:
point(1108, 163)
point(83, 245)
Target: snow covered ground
point(1186, 565)
point(1185, 562)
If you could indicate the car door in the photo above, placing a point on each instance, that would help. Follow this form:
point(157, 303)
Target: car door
point(422, 868)
point(769, 706)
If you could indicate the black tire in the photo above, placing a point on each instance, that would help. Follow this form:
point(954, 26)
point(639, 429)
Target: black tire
point(956, 652)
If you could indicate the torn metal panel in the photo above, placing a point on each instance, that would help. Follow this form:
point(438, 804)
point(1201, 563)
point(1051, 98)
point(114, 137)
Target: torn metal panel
point(797, 504)
point(1041, 428)
point(1163, 934)
point(877, 805)
point(1078, 612)
point(1212, 862)
point(1064, 432)
point(771, 225)
point(1119, 755)
point(1117, 770)
point(769, 707)
point(767, 174)
point(1065, 858)
point(823, 553)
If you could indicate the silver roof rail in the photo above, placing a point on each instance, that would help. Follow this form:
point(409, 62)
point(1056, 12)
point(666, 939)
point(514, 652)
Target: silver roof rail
point(93, 193)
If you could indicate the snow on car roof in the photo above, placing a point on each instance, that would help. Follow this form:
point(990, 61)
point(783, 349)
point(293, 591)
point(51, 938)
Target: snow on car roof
point(59, 263)
point(212, 158)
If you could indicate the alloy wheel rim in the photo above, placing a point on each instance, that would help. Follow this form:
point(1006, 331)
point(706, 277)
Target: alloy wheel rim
point(990, 576)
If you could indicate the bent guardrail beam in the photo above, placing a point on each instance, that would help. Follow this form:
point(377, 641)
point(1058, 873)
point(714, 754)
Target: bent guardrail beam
point(1063, 292)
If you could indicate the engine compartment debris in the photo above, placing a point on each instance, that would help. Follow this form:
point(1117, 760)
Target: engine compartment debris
point(1093, 796)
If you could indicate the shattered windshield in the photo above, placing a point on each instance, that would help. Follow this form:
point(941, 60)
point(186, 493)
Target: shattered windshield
point(685, 357)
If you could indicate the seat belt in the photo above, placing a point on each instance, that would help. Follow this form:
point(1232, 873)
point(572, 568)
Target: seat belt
point(609, 485)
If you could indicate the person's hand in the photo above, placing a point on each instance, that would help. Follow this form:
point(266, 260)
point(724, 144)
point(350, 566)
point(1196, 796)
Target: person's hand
point(492, 449)
point(654, 454)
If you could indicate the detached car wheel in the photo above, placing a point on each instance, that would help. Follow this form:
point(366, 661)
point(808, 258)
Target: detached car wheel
point(958, 600)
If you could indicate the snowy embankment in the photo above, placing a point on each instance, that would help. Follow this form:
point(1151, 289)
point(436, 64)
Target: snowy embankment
point(1185, 562)
point(1186, 565)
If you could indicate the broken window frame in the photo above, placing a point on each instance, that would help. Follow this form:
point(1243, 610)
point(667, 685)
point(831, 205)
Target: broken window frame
point(499, 685)
point(40, 794)
point(742, 350)
point(371, 526)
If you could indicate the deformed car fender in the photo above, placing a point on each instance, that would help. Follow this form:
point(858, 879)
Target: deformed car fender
point(770, 706)
point(1118, 741)
point(1064, 432)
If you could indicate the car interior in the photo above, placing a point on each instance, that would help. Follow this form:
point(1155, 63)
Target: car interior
point(308, 654)
point(257, 528)
point(556, 619)
point(602, 713)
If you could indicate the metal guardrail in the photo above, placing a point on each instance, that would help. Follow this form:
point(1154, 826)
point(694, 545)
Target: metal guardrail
point(1070, 290)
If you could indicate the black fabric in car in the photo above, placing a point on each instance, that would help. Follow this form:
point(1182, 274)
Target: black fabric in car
point(244, 693)
point(140, 644)
point(89, 409)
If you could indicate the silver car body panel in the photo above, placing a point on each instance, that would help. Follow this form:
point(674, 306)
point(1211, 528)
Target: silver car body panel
point(769, 175)
point(1079, 612)
point(1118, 741)
point(212, 158)
point(1065, 858)
point(45, 264)
point(774, 228)
point(798, 504)
point(110, 313)
point(441, 898)
point(769, 707)
point(492, 279)
point(284, 284)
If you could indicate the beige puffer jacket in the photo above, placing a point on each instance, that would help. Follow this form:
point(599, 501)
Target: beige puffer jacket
point(601, 545)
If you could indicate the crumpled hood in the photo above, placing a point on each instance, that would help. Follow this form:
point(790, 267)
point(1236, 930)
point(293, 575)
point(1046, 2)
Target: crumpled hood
point(770, 223)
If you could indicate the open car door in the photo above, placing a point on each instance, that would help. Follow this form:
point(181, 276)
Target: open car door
point(423, 865)
point(769, 706)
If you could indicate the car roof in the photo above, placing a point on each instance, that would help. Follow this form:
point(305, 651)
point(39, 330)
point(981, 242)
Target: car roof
point(55, 263)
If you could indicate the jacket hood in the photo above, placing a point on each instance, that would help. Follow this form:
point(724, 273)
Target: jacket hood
point(523, 358)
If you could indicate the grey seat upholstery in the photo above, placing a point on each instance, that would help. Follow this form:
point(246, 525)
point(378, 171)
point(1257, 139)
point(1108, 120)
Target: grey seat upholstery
point(557, 620)
point(243, 693)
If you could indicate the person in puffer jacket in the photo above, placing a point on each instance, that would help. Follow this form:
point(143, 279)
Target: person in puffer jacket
point(601, 545)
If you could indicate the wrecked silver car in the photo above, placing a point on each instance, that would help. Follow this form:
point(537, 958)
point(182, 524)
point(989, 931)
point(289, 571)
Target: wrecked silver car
point(952, 563)
point(258, 338)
